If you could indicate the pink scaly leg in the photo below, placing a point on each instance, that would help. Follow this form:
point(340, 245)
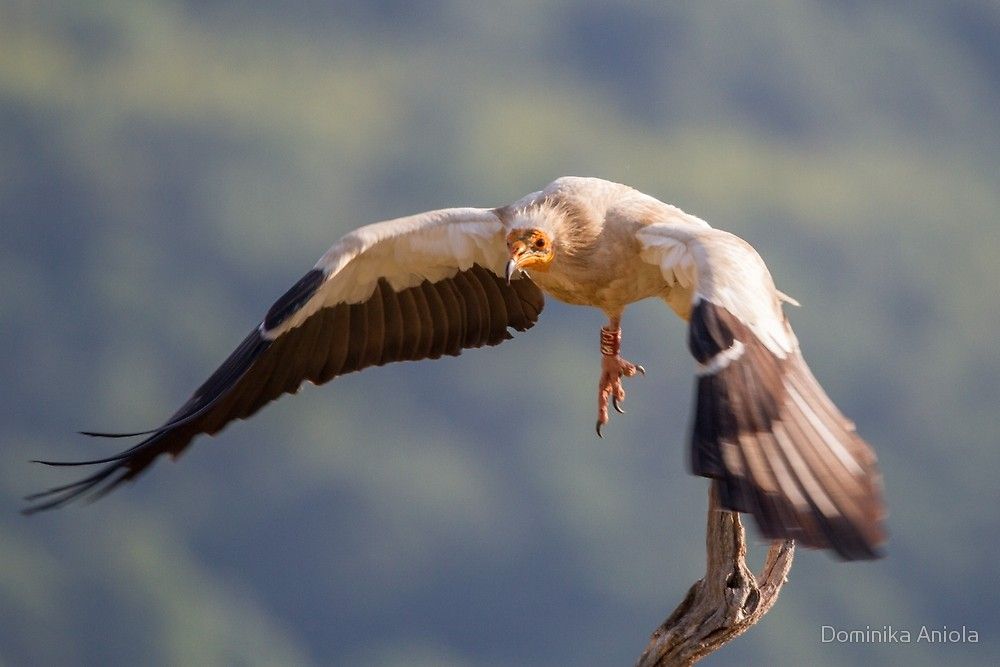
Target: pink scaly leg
point(613, 369)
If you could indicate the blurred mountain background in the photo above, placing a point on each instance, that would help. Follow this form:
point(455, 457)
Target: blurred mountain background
point(168, 168)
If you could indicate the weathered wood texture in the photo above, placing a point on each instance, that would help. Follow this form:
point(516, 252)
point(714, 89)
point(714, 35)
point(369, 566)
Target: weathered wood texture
point(726, 602)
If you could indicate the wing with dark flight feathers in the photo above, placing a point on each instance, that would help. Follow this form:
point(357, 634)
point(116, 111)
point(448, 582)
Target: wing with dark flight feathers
point(763, 427)
point(406, 289)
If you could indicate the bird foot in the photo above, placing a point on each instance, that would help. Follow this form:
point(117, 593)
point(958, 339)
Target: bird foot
point(613, 369)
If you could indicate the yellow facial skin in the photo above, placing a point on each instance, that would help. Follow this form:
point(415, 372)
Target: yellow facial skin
point(529, 249)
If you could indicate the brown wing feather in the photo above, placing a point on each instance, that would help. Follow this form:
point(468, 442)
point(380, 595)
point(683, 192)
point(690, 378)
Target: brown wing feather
point(777, 446)
point(471, 309)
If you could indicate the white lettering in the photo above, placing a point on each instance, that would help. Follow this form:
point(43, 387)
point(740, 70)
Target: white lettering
point(888, 634)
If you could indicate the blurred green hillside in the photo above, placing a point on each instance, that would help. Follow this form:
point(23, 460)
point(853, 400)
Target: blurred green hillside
point(168, 168)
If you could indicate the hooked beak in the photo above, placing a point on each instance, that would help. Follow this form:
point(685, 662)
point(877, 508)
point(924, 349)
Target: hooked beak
point(511, 268)
point(514, 263)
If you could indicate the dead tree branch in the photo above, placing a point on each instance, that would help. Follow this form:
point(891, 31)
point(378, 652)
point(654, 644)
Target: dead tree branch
point(726, 602)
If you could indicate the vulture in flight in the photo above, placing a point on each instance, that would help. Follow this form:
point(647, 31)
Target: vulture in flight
point(436, 283)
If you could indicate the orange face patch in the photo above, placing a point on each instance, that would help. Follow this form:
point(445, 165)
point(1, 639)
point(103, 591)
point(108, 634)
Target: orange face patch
point(530, 248)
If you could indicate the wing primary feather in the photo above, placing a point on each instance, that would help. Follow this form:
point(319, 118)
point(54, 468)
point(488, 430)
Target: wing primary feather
point(102, 434)
point(739, 436)
point(470, 309)
point(61, 495)
point(706, 459)
point(70, 464)
point(339, 338)
point(453, 313)
point(230, 370)
point(495, 303)
point(410, 316)
point(393, 324)
point(779, 448)
point(770, 510)
point(253, 386)
point(282, 365)
point(425, 329)
point(483, 305)
point(236, 366)
point(439, 319)
point(375, 330)
point(358, 335)
point(837, 514)
point(531, 299)
point(308, 349)
point(473, 320)
point(517, 318)
point(290, 302)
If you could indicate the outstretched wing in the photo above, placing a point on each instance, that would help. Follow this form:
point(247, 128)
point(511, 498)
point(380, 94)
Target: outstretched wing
point(406, 289)
point(763, 427)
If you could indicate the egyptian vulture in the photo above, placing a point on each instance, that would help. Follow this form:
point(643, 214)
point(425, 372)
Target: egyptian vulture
point(439, 282)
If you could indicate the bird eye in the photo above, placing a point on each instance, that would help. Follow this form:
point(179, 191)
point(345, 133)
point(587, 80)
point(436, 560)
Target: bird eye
point(540, 243)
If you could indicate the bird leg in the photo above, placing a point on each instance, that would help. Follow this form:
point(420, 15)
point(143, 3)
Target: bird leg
point(613, 369)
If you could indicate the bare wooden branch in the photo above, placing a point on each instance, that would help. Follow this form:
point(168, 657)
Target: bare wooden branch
point(727, 601)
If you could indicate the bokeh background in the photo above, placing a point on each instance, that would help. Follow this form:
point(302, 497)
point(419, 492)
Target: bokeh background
point(169, 167)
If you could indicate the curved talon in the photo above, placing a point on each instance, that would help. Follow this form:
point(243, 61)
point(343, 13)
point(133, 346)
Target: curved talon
point(614, 370)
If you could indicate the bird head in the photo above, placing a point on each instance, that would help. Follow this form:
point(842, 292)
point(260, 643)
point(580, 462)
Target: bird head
point(529, 249)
